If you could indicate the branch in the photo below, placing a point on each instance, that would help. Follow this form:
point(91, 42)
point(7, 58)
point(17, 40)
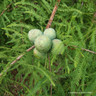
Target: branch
point(85, 50)
point(53, 14)
point(88, 50)
point(5, 9)
point(18, 58)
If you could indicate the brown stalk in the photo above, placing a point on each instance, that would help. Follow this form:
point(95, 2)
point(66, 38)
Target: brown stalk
point(12, 8)
point(8, 9)
point(18, 58)
point(5, 10)
point(53, 14)
point(83, 49)
point(88, 50)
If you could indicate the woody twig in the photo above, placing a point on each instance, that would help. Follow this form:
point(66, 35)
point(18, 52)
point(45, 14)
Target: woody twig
point(53, 14)
point(5, 10)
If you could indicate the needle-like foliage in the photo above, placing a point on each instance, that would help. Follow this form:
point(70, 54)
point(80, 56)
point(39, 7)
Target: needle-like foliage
point(73, 71)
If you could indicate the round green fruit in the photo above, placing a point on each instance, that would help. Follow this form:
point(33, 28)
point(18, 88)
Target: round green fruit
point(50, 32)
point(39, 54)
point(43, 43)
point(57, 47)
point(33, 34)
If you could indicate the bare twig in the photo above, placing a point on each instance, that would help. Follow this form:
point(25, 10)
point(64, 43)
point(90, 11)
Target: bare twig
point(53, 14)
point(12, 8)
point(85, 50)
point(5, 9)
point(18, 58)
point(88, 51)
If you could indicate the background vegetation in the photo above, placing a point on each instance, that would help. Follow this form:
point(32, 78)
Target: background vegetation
point(73, 71)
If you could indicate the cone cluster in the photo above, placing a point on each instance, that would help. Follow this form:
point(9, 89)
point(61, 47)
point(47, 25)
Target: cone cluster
point(45, 42)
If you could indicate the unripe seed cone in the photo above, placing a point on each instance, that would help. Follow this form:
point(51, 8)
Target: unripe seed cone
point(50, 32)
point(57, 47)
point(33, 34)
point(39, 54)
point(43, 43)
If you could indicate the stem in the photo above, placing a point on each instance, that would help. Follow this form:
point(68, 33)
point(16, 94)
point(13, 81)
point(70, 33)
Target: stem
point(84, 50)
point(18, 58)
point(53, 14)
point(5, 10)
